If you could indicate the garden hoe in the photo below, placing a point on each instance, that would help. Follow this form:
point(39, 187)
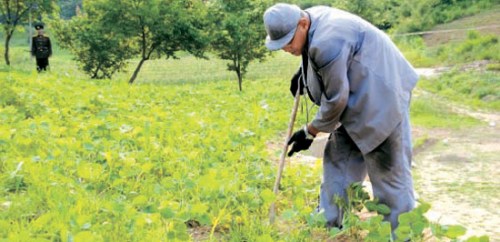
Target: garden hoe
point(272, 210)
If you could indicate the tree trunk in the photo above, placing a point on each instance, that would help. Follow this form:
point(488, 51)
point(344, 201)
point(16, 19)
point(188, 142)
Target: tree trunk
point(238, 72)
point(237, 66)
point(145, 56)
point(7, 41)
point(136, 72)
point(95, 75)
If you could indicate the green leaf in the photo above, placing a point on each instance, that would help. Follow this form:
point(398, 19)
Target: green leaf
point(483, 238)
point(204, 219)
point(89, 171)
point(43, 221)
point(4, 225)
point(86, 236)
point(385, 229)
point(199, 208)
point(383, 209)
point(140, 200)
point(316, 219)
point(268, 196)
point(265, 237)
point(423, 207)
point(403, 231)
point(406, 218)
point(334, 231)
point(437, 230)
point(167, 213)
point(455, 231)
point(88, 146)
point(371, 206)
point(418, 227)
point(289, 214)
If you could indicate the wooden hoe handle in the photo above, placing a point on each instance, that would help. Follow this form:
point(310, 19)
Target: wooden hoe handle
point(272, 210)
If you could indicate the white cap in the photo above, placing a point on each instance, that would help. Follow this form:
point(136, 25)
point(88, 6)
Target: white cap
point(281, 21)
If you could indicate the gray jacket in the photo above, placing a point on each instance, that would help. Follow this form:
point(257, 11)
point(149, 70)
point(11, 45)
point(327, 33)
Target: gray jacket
point(357, 76)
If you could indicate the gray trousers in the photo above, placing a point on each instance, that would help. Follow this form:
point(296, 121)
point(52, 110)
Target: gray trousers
point(388, 167)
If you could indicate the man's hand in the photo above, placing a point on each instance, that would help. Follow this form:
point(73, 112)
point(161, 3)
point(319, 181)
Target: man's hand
point(300, 142)
point(296, 82)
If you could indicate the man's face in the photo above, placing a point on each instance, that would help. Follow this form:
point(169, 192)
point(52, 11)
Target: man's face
point(299, 39)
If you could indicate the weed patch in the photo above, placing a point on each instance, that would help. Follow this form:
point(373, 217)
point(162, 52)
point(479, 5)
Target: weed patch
point(473, 88)
point(432, 113)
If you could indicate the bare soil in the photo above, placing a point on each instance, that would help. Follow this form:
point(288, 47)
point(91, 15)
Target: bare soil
point(456, 171)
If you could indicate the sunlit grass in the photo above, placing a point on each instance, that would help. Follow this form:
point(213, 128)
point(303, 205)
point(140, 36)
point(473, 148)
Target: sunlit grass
point(189, 69)
point(472, 88)
point(432, 113)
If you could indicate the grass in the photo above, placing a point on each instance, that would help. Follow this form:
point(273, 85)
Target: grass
point(477, 47)
point(476, 193)
point(415, 51)
point(456, 47)
point(472, 88)
point(189, 69)
point(430, 112)
point(482, 19)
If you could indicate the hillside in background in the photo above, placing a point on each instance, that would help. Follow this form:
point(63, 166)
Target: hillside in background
point(487, 22)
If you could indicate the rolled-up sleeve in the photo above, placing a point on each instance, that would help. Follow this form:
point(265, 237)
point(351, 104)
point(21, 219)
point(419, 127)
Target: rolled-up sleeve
point(335, 81)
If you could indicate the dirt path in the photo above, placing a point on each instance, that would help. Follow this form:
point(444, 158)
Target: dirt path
point(456, 171)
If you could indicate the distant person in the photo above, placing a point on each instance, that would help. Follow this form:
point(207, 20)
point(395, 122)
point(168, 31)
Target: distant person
point(362, 85)
point(41, 48)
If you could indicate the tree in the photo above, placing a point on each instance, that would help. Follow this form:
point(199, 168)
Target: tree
point(239, 34)
point(15, 12)
point(69, 8)
point(158, 27)
point(311, 3)
point(99, 52)
point(380, 13)
point(123, 29)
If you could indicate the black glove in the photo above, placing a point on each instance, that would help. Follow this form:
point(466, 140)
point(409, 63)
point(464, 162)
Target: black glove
point(296, 82)
point(300, 142)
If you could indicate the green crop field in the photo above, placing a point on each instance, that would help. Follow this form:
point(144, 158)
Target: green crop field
point(108, 161)
point(183, 155)
point(90, 160)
